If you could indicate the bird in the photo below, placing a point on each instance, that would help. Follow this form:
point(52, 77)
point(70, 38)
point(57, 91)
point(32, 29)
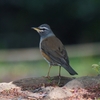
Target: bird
point(53, 50)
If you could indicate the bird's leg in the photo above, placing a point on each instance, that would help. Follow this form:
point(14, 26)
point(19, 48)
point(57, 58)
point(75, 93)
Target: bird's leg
point(59, 71)
point(49, 71)
point(59, 75)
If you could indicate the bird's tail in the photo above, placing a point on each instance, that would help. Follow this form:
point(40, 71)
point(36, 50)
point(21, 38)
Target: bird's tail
point(70, 70)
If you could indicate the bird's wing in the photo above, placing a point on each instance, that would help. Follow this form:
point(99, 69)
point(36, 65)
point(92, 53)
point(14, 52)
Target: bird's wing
point(54, 49)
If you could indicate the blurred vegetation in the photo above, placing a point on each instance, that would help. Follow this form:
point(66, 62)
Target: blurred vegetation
point(16, 70)
point(73, 21)
point(96, 67)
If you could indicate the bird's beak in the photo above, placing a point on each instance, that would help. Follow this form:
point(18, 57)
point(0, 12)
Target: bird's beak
point(36, 28)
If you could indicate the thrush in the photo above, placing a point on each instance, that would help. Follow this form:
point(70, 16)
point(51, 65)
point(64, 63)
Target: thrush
point(53, 50)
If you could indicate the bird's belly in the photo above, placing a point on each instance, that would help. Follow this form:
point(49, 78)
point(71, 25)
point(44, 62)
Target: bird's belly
point(46, 60)
point(49, 60)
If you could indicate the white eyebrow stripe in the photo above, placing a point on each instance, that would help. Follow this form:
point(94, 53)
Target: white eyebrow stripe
point(44, 28)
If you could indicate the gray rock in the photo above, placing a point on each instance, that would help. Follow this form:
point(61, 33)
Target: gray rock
point(83, 82)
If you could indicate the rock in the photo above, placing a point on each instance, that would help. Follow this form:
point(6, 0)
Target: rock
point(83, 82)
point(57, 93)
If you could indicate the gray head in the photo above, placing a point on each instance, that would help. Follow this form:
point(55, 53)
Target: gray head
point(44, 30)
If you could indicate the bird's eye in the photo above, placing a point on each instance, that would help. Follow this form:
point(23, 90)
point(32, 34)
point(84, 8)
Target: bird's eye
point(43, 29)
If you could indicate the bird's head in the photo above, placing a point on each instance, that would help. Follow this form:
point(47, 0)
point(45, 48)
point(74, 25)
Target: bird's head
point(44, 30)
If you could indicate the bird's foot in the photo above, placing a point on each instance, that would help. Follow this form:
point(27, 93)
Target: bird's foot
point(49, 79)
point(47, 76)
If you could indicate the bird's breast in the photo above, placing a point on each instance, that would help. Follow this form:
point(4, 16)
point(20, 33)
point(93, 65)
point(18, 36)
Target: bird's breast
point(46, 57)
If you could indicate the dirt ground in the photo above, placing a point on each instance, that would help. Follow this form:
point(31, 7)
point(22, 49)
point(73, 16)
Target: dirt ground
point(42, 88)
